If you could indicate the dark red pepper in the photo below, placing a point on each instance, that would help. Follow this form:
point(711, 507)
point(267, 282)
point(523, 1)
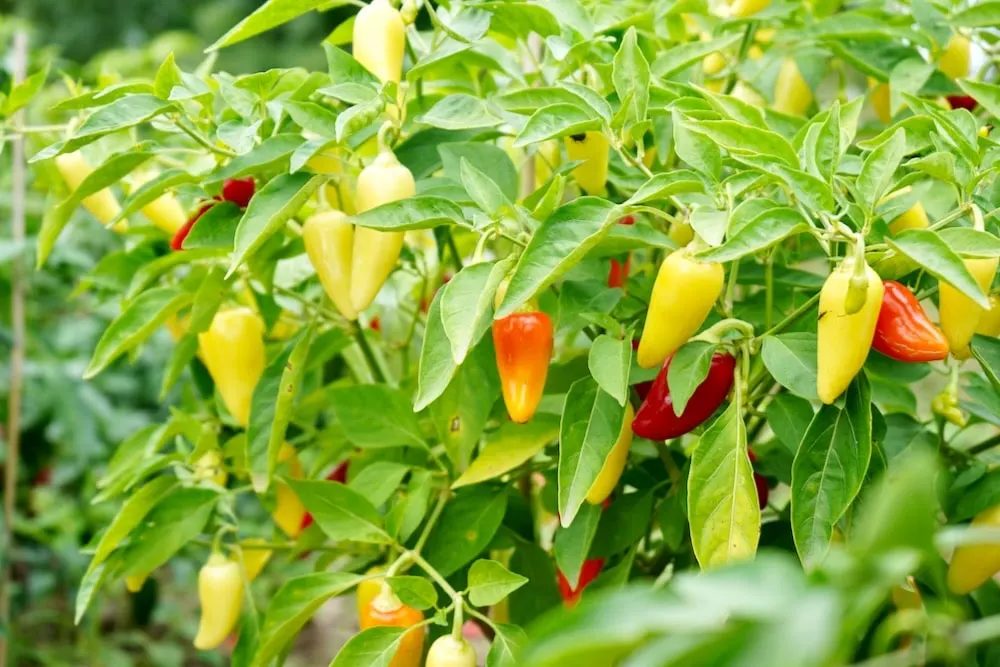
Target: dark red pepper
point(763, 487)
point(627, 220)
point(656, 420)
point(903, 331)
point(967, 102)
point(238, 190)
point(177, 243)
point(618, 272)
point(339, 474)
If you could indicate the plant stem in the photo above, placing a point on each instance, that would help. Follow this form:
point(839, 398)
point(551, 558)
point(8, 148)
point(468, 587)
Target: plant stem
point(435, 515)
point(794, 317)
point(373, 365)
point(201, 139)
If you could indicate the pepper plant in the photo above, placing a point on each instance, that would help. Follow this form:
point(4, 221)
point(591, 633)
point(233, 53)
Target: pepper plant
point(518, 299)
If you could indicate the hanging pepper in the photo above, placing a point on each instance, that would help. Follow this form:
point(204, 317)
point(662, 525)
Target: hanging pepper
point(989, 323)
point(379, 40)
point(329, 241)
point(683, 295)
point(967, 102)
point(879, 94)
point(743, 8)
point(849, 304)
point(338, 475)
point(681, 233)
point(369, 589)
point(960, 315)
point(656, 419)
point(523, 343)
point(614, 464)
point(792, 94)
point(239, 191)
point(618, 272)
point(592, 149)
point(103, 204)
point(387, 611)
point(233, 352)
point(255, 556)
point(570, 596)
point(451, 651)
point(220, 589)
point(954, 60)
point(915, 218)
point(289, 512)
point(165, 211)
point(375, 253)
point(903, 331)
point(973, 565)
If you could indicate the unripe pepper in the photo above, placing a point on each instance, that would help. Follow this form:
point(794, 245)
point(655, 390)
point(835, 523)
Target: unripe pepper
point(523, 342)
point(450, 651)
point(238, 191)
point(903, 331)
point(387, 611)
point(220, 590)
point(971, 566)
point(960, 315)
point(289, 512)
point(592, 149)
point(989, 323)
point(945, 405)
point(570, 596)
point(915, 218)
point(744, 8)
point(613, 466)
point(103, 204)
point(683, 295)
point(844, 339)
point(681, 233)
point(954, 60)
point(329, 241)
point(792, 94)
point(375, 253)
point(656, 419)
point(379, 40)
point(233, 352)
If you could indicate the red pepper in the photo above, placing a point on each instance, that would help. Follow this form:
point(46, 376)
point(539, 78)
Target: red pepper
point(967, 102)
point(523, 343)
point(656, 420)
point(238, 190)
point(591, 568)
point(177, 243)
point(763, 488)
point(903, 331)
point(627, 220)
point(375, 324)
point(618, 273)
point(339, 474)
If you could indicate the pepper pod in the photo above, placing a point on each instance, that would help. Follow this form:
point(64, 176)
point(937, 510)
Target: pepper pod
point(656, 419)
point(386, 610)
point(903, 331)
point(233, 351)
point(220, 590)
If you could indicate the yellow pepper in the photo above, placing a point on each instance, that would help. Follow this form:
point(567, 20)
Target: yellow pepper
point(379, 40)
point(165, 211)
point(338, 194)
point(254, 556)
point(329, 241)
point(954, 60)
point(792, 94)
point(879, 96)
point(743, 8)
point(220, 589)
point(914, 218)
point(971, 566)
point(614, 465)
point(960, 315)
point(846, 330)
point(683, 295)
point(289, 512)
point(233, 352)
point(369, 589)
point(681, 233)
point(989, 323)
point(592, 149)
point(103, 204)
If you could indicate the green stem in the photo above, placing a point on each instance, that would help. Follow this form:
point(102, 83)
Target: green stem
point(202, 140)
point(454, 249)
point(794, 317)
point(373, 365)
point(985, 445)
point(435, 515)
point(768, 290)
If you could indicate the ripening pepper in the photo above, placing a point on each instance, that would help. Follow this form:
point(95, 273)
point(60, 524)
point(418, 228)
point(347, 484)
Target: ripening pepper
point(387, 611)
point(967, 102)
point(683, 295)
point(618, 272)
point(379, 40)
point(914, 218)
point(614, 464)
point(592, 149)
point(220, 590)
point(656, 419)
point(165, 211)
point(233, 352)
point(375, 253)
point(570, 596)
point(954, 60)
point(369, 589)
point(289, 512)
point(844, 339)
point(523, 342)
point(792, 94)
point(239, 191)
point(879, 95)
point(743, 8)
point(255, 556)
point(103, 204)
point(209, 467)
point(338, 475)
point(989, 323)
point(971, 566)
point(903, 331)
point(329, 241)
point(451, 651)
point(960, 315)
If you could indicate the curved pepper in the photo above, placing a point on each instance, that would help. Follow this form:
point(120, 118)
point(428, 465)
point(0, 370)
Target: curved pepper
point(523, 342)
point(220, 590)
point(375, 253)
point(165, 211)
point(233, 352)
point(683, 295)
point(329, 241)
point(255, 556)
point(844, 339)
point(387, 611)
point(792, 94)
point(289, 512)
point(614, 464)
point(971, 566)
point(989, 323)
point(960, 315)
point(903, 331)
point(656, 419)
point(955, 59)
point(103, 204)
point(591, 568)
point(379, 40)
point(592, 149)
point(450, 651)
point(238, 191)
point(743, 8)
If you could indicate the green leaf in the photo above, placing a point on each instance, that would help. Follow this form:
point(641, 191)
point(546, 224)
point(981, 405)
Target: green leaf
point(986, 350)
point(490, 583)
point(681, 57)
point(215, 229)
point(420, 212)
point(530, 100)
point(520, 19)
point(688, 369)
point(978, 15)
point(791, 359)
point(341, 512)
point(152, 189)
point(25, 91)
point(986, 94)
point(509, 447)
point(572, 544)
point(970, 242)
point(343, 68)
point(828, 470)
point(414, 592)
point(482, 189)
point(591, 422)
point(207, 300)
point(374, 647)
point(312, 117)
point(789, 416)
point(744, 139)
point(436, 367)
point(89, 586)
point(558, 244)
point(467, 304)
point(609, 361)
point(630, 73)
point(506, 645)
point(460, 111)
point(378, 481)
point(907, 77)
point(182, 356)
point(696, 149)
point(557, 120)
point(460, 414)
point(273, 153)
point(358, 117)
point(137, 322)
point(623, 524)
point(268, 16)
point(292, 607)
point(662, 186)
point(928, 250)
point(376, 416)
point(466, 527)
point(762, 232)
point(879, 169)
point(269, 210)
point(487, 158)
point(176, 520)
